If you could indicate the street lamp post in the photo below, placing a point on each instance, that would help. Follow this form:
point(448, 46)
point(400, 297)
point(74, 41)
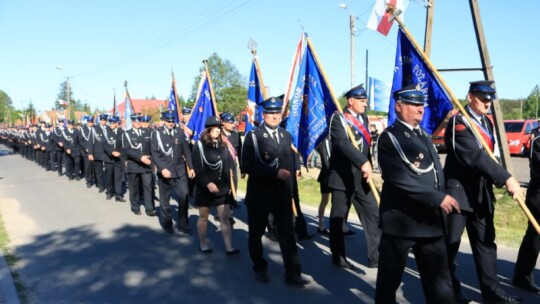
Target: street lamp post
point(67, 110)
point(352, 32)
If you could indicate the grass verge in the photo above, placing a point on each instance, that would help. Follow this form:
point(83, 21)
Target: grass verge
point(11, 260)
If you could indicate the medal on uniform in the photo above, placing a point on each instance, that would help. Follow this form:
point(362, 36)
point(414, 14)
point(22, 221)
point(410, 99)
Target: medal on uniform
point(266, 156)
point(265, 135)
point(407, 134)
point(421, 156)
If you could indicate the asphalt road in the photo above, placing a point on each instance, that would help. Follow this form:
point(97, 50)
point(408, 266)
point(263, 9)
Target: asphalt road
point(76, 247)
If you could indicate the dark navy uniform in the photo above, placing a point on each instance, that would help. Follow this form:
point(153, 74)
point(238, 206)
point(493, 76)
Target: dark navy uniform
point(136, 143)
point(47, 148)
point(262, 159)
point(86, 138)
point(347, 184)
point(114, 173)
point(411, 217)
point(530, 245)
point(95, 148)
point(72, 150)
point(169, 150)
point(470, 174)
point(59, 147)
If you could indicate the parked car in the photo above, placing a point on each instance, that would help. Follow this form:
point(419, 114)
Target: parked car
point(438, 140)
point(518, 135)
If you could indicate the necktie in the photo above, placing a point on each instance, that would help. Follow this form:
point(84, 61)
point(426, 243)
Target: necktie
point(417, 132)
point(485, 124)
point(274, 136)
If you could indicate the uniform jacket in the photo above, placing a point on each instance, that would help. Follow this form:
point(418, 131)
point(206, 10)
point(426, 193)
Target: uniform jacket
point(413, 187)
point(346, 160)
point(95, 144)
point(58, 138)
point(469, 171)
point(71, 141)
point(169, 150)
point(261, 160)
point(112, 143)
point(135, 147)
point(324, 149)
point(46, 140)
point(85, 138)
point(212, 165)
point(533, 191)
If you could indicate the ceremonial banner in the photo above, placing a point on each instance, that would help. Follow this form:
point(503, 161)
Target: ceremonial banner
point(254, 99)
point(172, 104)
point(203, 108)
point(411, 69)
point(311, 107)
point(128, 110)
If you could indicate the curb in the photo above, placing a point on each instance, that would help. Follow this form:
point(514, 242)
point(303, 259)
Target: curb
point(8, 293)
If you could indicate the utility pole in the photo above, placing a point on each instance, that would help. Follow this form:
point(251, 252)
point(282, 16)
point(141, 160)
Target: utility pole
point(487, 69)
point(430, 11)
point(68, 99)
point(352, 48)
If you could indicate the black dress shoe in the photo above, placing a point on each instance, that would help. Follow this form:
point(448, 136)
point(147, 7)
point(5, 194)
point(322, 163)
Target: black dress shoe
point(109, 197)
point(262, 277)
point(374, 264)
point(503, 299)
point(349, 232)
point(307, 236)
point(185, 230)
point(460, 298)
point(526, 285)
point(233, 252)
point(168, 230)
point(88, 185)
point(342, 263)
point(151, 213)
point(78, 178)
point(101, 190)
point(207, 251)
point(323, 231)
point(272, 237)
point(296, 281)
point(120, 199)
point(136, 212)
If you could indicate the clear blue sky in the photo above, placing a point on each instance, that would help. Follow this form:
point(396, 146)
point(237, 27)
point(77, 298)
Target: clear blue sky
point(100, 44)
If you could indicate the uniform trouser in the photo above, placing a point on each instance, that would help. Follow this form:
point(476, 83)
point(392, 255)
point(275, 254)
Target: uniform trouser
point(39, 157)
point(368, 213)
point(70, 165)
point(257, 219)
point(481, 232)
point(429, 253)
point(89, 170)
point(300, 225)
point(140, 187)
point(59, 160)
point(530, 245)
point(100, 174)
point(112, 177)
point(180, 186)
point(48, 160)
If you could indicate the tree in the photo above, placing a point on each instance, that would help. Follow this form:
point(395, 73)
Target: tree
point(228, 84)
point(63, 95)
point(6, 108)
point(530, 106)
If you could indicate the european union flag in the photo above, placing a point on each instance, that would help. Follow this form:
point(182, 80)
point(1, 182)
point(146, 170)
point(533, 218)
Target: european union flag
point(128, 110)
point(172, 104)
point(203, 108)
point(312, 106)
point(255, 99)
point(411, 69)
point(379, 94)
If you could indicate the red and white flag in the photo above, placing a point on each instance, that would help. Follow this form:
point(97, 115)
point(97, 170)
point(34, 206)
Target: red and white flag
point(379, 19)
point(62, 102)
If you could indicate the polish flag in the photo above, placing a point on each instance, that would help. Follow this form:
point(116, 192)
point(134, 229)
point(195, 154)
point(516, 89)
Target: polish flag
point(379, 19)
point(62, 102)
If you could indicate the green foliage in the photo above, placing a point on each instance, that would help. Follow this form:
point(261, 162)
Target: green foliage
point(511, 108)
point(228, 85)
point(531, 104)
point(6, 108)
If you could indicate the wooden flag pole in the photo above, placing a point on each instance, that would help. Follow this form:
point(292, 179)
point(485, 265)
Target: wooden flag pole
point(340, 110)
point(456, 103)
point(176, 101)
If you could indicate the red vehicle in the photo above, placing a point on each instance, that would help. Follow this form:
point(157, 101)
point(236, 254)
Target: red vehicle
point(518, 135)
